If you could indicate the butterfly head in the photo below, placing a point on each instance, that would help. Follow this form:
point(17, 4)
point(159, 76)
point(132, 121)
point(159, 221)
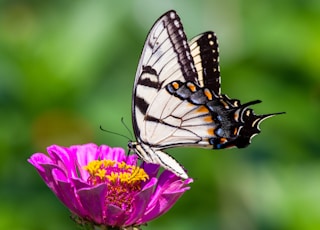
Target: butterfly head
point(132, 145)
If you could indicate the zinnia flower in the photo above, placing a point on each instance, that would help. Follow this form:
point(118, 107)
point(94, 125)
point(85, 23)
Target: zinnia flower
point(102, 186)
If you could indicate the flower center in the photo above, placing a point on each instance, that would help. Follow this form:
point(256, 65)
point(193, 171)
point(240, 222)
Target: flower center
point(123, 181)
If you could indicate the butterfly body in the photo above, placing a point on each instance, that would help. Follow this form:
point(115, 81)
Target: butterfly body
point(177, 98)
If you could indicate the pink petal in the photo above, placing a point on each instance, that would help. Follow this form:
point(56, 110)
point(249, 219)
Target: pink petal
point(115, 216)
point(85, 153)
point(116, 154)
point(141, 202)
point(93, 201)
point(67, 194)
point(39, 158)
point(151, 169)
point(163, 204)
point(169, 189)
point(47, 176)
point(64, 158)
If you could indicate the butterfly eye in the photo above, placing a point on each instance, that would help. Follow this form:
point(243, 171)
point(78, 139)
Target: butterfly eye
point(132, 145)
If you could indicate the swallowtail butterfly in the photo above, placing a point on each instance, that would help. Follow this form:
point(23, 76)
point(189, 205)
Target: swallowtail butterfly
point(177, 99)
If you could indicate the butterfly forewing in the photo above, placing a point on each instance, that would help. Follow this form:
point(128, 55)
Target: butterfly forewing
point(165, 57)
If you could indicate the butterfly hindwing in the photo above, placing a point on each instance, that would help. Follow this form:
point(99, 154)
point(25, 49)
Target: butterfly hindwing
point(205, 52)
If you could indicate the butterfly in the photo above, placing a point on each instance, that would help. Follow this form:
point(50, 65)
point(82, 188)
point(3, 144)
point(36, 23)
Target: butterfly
point(177, 100)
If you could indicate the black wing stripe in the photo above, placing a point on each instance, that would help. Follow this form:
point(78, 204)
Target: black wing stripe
point(142, 105)
point(149, 69)
point(180, 46)
point(148, 81)
point(210, 61)
point(205, 51)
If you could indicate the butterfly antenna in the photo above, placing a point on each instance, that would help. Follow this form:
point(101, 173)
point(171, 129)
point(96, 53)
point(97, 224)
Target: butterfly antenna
point(108, 131)
point(125, 125)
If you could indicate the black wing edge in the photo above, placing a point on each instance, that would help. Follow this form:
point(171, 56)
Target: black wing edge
point(205, 51)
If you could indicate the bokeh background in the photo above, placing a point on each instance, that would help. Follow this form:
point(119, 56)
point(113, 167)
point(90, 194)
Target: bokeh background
point(67, 67)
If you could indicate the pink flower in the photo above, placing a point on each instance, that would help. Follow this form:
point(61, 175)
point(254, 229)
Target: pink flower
point(103, 186)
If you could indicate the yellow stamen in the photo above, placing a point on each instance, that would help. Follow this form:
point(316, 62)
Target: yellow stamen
point(122, 180)
point(112, 171)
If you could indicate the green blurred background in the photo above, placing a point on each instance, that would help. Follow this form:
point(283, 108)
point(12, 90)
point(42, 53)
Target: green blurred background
point(67, 67)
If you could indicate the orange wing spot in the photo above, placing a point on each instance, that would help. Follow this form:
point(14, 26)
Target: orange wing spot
point(226, 106)
point(175, 85)
point(236, 116)
point(208, 94)
point(208, 119)
point(211, 131)
point(235, 131)
point(192, 87)
point(202, 109)
point(223, 140)
point(190, 104)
